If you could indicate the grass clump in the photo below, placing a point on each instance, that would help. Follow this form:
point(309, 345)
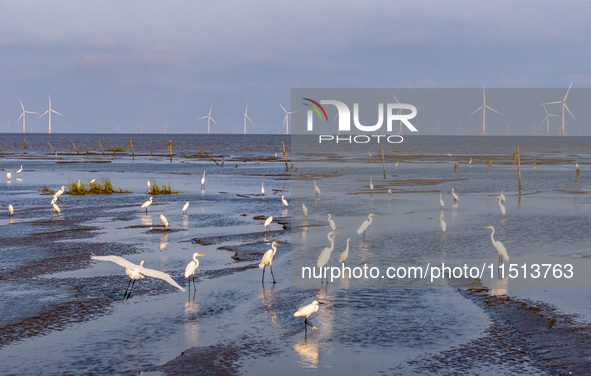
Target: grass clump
point(104, 187)
point(163, 189)
point(118, 150)
point(46, 191)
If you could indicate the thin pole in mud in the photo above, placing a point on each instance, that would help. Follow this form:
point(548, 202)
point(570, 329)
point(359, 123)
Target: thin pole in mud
point(200, 151)
point(55, 152)
point(170, 148)
point(101, 146)
point(131, 146)
point(489, 164)
point(534, 166)
point(216, 162)
point(25, 144)
point(75, 147)
point(383, 161)
point(284, 156)
point(16, 147)
point(519, 168)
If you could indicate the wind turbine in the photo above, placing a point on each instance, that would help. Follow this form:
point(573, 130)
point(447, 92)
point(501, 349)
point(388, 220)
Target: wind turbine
point(484, 107)
point(246, 117)
point(459, 128)
point(141, 126)
point(49, 112)
point(507, 124)
point(286, 119)
point(534, 125)
point(547, 120)
point(24, 114)
point(563, 133)
point(208, 117)
point(437, 126)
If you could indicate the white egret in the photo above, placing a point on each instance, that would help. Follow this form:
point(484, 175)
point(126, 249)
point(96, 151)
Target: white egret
point(365, 225)
point(59, 193)
point(267, 223)
point(305, 210)
point(92, 181)
point(443, 225)
point(190, 270)
point(203, 181)
point(370, 185)
point(8, 175)
point(502, 196)
point(78, 183)
point(307, 310)
point(576, 165)
point(135, 272)
point(316, 189)
point(146, 204)
point(148, 184)
point(441, 203)
point(456, 198)
point(331, 223)
point(53, 200)
point(21, 169)
point(268, 259)
point(185, 207)
point(498, 245)
point(470, 161)
point(284, 201)
point(262, 188)
point(396, 165)
point(10, 210)
point(56, 208)
point(448, 155)
point(345, 253)
point(327, 251)
point(501, 206)
point(163, 219)
point(389, 193)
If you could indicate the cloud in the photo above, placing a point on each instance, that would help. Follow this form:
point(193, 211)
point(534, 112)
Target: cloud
point(551, 37)
point(102, 44)
point(12, 42)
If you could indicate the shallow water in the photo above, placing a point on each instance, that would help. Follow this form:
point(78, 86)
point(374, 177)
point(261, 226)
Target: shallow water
point(63, 313)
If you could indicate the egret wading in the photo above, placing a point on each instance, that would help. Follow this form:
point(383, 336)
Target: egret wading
point(326, 252)
point(190, 270)
point(316, 189)
point(135, 272)
point(333, 226)
point(305, 210)
point(262, 189)
point(8, 175)
point(345, 254)
point(284, 201)
point(268, 259)
point(306, 311)
point(441, 203)
point(456, 198)
point(501, 206)
point(59, 193)
point(148, 184)
point(502, 196)
point(147, 203)
point(164, 220)
point(498, 245)
point(10, 210)
point(365, 225)
point(267, 223)
point(185, 207)
point(370, 186)
point(21, 170)
point(443, 226)
point(203, 181)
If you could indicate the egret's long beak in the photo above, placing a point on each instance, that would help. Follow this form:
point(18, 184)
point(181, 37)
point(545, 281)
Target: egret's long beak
point(278, 245)
point(200, 254)
point(336, 233)
point(320, 303)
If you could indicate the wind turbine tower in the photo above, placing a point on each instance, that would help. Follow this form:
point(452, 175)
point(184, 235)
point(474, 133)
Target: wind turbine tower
point(49, 112)
point(208, 117)
point(484, 107)
point(563, 133)
point(24, 114)
point(286, 119)
point(246, 117)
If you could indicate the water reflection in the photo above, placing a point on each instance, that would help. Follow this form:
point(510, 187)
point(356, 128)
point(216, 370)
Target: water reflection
point(186, 221)
point(267, 297)
point(500, 286)
point(163, 241)
point(307, 349)
point(146, 220)
point(284, 213)
point(191, 324)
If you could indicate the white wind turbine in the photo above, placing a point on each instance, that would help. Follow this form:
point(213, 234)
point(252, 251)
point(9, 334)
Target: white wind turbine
point(208, 117)
point(49, 112)
point(534, 125)
point(286, 119)
point(547, 120)
point(246, 117)
point(507, 124)
point(563, 133)
point(24, 114)
point(437, 126)
point(484, 107)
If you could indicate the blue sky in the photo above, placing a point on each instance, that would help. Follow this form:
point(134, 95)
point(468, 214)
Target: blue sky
point(112, 64)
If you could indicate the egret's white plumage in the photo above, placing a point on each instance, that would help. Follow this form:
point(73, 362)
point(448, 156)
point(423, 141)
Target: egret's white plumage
point(92, 181)
point(21, 169)
point(316, 189)
point(470, 161)
point(365, 224)
point(284, 201)
point(576, 165)
point(305, 210)
point(498, 245)
point(502, 196)
point(326, 252)
point(268, 260)
point(306, 311)
point(268, 223)
point(53, 200)
point(441, 203)
point(186, 206)
point(148, 184)
point(147, 203)
point(163, 219)
point(10, 209)
point(370, 184)
point(456, 198)
point(203, 181)
point(8, 175)
point(56, 208)
point(135, 272)
point(501, 206)
point(396, 165)
point(262, 188)
point(191, 267)
point(345, 253)
point(443, 225)
point(333, 226)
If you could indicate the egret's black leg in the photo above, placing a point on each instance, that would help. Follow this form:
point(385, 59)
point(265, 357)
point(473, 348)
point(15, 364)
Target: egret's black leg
point(124, 295)
point(130, 290)
point(264, 267)
point(195, 286)
point(146, 210)
point(271, 266)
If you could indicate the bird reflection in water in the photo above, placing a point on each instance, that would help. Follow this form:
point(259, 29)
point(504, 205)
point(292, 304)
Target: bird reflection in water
point(307, 349)
point(163, 241)
point(191, 324)
point(186, 221)
point(267, 297)
point(146, 220)
point(500, 286)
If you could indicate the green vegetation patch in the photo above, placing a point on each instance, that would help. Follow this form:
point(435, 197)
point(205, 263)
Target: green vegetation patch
point(164, 189)
point(94, 187)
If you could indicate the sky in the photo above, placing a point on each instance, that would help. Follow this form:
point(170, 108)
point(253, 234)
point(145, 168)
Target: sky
point(127, 66)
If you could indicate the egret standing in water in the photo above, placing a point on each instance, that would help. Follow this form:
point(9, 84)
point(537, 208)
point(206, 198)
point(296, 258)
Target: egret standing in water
point(307, 310)
point(56, 208)
point(10, 210)
point(456, 198)
point(190, 270)
point(148, 184)
point(262, 188)
point(147, 203)
point(502, 196)
point(365, 225)
point(135, 272)
point(501, 206)
point(267, 223)
point(163, 219)
point(315, 188)
point(441, 203)
point(470, 161)
point(326, 252)
point(284, 201)
point(370, 186)
point(305, 210)
point(21, 169)
point(333, 226)
point(443, 226)
point(59, 193)
point(498, 245)
point(203, 181)
point(345, 253)
point(268, 259)
point(8, 175)
point(185, 207)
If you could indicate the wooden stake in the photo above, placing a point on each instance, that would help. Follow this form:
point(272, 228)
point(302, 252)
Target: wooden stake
point(534, 166)
point(456, 168)
point(200, 151)
point(25, 144)
point(75, 147)
point(51, 147)
point(489, 164)
point(519, 168)
point(16, 147)
point(211, 157)
point(130, 145)
point(383, 161)
point(577, 178)
point(284, 156)
point(99, 142)
point(170, 148)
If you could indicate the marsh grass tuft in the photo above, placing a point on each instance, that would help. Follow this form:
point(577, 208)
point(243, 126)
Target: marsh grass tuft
point(164, 189)
point(104, 187)
point(118, 150)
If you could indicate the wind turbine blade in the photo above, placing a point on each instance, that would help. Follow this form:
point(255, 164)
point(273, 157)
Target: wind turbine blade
point(553, 102)
point(293, 112)
point(250, 120)
point(571, 84)
point(30, 112)
point(394, 97)
point(19, 118)
point(245, 111)
point(55, 112)
point(212, 119)
point(283, 108)
point(478, 109)
point(571, 114)
point(205, 117)
point(23, 107)
point(43, 114)
point(492, 109)
point(210, 110)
